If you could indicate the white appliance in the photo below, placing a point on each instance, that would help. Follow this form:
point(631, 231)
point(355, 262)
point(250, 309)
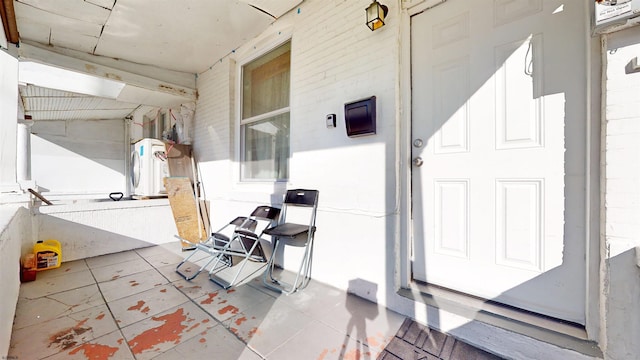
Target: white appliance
point(148, 168)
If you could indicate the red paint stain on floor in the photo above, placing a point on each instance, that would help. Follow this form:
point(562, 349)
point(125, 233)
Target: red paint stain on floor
point(95, 351)
point(222, 302)
point(352, 355)
point(163, 290)
point(231, 291)
point(68, 338)
point(115, 277)
point(209, 298)
point(100, 317)
point(229, 308)
point(145, 310)
point(253, 332)
point(169, 331)
point(203, 340)
point(323, 354)
point(371, 341)
point(133, 283)
point(138, 306)
point(193, 327)
point(239, 321)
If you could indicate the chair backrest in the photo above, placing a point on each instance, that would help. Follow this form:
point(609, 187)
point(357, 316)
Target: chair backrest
point(248, 236)
point(266, 213)
point(250, 223)
point(300, 198)
point(244, 222)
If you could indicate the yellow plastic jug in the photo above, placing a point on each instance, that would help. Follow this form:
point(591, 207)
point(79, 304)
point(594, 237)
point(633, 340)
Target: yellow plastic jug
point(48, 254)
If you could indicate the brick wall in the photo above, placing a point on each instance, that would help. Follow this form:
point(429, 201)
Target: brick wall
point(621, 169)
point(335, 59)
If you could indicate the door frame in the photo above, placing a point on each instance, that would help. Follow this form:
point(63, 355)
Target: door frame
point(592, 194)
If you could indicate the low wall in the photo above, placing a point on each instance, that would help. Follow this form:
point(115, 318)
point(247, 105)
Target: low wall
point(91, 228)
point(84, 229)
point(15, 226)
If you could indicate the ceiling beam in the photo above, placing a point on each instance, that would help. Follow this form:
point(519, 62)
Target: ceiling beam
point(138, 89)
point(9, 21)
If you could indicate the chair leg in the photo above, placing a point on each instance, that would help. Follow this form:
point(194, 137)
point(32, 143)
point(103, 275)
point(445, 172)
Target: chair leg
point(183, 262)
point(303, 277)
point(187, 259)
point(270, 263)
point(307, 278)
point(303, 272)
point(227, 285)
point(225, 260)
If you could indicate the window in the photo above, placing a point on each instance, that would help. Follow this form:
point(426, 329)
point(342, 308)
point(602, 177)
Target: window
point(155, 127)
point(264, 122)
point(149, 127)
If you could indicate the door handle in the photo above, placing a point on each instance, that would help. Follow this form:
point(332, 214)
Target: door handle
point(418, 161)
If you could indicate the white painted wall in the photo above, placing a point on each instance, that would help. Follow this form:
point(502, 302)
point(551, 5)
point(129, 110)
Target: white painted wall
point(621, 191)
point(3, 37)
point(15, 226)
point(8, 121)
point(79, 156)
point(335, 59)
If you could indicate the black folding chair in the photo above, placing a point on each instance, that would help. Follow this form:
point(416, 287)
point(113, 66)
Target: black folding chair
point(244, 243)
point(287, 233)
point(214, 247)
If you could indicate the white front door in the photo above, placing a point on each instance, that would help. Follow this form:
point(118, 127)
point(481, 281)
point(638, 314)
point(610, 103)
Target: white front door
point(498, 142)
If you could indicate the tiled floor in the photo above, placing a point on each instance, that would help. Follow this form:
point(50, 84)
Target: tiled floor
point(132, 305)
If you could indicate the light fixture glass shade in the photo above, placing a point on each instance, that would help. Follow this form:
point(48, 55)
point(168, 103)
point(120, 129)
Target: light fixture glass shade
point(376, 13)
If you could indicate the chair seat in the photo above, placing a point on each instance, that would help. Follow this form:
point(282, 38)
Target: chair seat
point(219, 239)
point(288, 230)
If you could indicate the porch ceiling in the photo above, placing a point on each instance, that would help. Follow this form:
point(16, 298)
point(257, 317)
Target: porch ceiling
point(50, 104)
point(178, 37)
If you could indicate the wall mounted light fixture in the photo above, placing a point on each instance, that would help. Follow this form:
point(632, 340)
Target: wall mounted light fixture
point(376, 13)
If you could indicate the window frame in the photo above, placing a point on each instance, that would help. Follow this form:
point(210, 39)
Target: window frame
point(239, 147)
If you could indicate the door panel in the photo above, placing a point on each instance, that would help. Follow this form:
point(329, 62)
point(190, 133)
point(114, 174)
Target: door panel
point(495, 84)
